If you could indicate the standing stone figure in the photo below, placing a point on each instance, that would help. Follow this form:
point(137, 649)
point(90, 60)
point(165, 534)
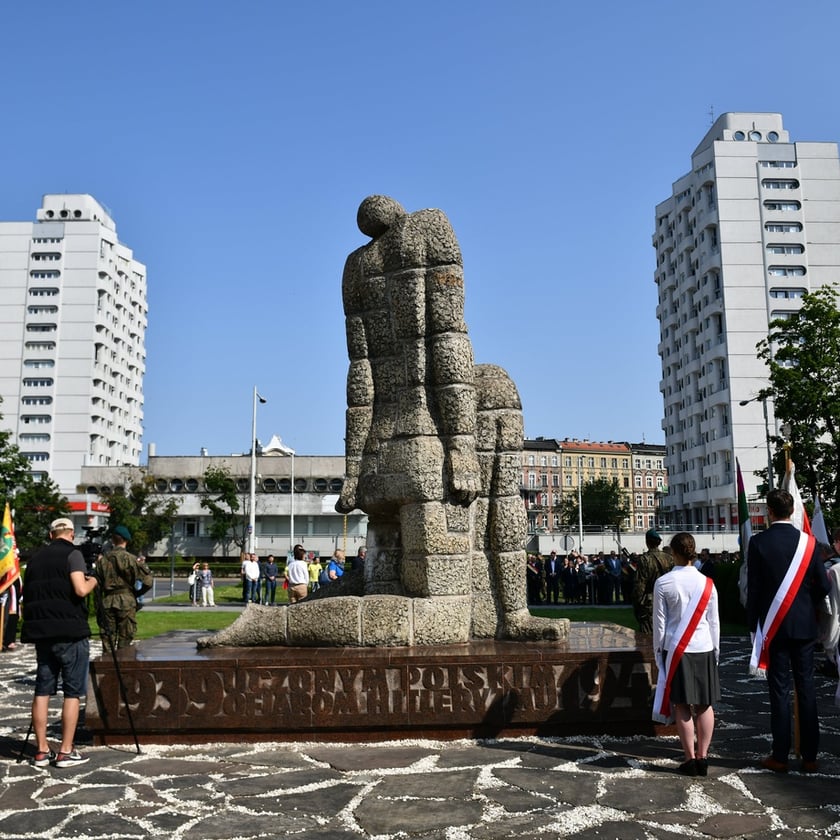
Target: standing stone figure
point(433, 456)
point(433, 442)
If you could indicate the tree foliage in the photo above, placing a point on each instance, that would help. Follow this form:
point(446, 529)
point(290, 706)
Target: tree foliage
point(147, 514)
point(222, 502)
point(36, 505)
point(803, 357)
point(603, 502)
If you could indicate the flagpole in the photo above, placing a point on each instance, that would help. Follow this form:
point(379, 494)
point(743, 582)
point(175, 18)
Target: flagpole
point(252, 539)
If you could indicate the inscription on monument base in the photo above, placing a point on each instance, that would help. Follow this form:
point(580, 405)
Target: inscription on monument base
point(298, 693)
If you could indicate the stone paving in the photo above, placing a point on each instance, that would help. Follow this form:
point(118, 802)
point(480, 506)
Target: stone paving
point(527, 788)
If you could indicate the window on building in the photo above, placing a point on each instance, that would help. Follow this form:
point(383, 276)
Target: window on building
point(40, 345)
point(786, 270)
point(648, 481)
point(555, 480)
point(786, 294)
point(780, 184)
point(782, 206)
point(190, 527)
point(783, 227)
point(40, 328)
point(567, 461)
point(649, 499)
point(532, 480)
point(544, 480)
point(36, 457)
point(36, 400)
point(38, 363)
point(554, 461)
point(638, 481)
point(640, 521)
point(543, 461)
point(568, 480)
point(638, 500)
point(591, 462)
point(32, 382)
point(785, 249)
point(43, 291)
point(531, 461)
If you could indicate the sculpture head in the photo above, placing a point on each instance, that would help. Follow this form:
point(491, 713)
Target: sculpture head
point(377, 213)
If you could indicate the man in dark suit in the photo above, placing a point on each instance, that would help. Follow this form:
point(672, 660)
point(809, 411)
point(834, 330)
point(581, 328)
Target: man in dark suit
point(791, 648)
point(553, 570)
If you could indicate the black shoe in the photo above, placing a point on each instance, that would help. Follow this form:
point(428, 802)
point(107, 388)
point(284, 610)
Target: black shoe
point(688, 768)
point(702, 766)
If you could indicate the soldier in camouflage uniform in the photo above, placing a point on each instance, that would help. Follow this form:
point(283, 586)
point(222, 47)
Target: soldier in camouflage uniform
point(653, 563)
point(119, 572)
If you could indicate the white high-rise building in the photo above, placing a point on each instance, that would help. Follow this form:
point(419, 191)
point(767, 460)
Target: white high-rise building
point(72, 339)
point(746, 232)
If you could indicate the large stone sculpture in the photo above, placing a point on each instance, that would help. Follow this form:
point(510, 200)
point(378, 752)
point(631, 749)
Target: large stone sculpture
point(433, 456)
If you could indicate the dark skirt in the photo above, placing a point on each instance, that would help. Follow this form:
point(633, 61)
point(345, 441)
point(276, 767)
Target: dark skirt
point(696, 680)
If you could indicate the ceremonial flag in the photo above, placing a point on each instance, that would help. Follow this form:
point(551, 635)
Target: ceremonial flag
point(9, 560)
point(745, 530)
point(818, 528)
point(800, 516)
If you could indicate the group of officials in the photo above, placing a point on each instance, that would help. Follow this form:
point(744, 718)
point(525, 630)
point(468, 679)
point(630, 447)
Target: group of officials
point(786, 583)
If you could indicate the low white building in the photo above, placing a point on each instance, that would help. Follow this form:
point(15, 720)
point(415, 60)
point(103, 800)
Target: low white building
point(284, 514)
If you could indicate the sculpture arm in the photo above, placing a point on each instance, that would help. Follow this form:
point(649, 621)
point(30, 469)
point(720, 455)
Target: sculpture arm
point(360, 394)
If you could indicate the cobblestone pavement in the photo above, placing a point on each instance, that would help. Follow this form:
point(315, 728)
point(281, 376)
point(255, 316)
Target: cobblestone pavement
point(520, 787)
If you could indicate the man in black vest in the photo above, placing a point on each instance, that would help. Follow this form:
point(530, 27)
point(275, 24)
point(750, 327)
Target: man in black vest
point(55, 620)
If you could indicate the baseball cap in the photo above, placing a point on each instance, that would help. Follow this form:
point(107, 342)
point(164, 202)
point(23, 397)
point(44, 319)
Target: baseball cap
point(62, 524)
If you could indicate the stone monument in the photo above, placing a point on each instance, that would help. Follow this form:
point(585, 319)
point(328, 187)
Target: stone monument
point(433, 456)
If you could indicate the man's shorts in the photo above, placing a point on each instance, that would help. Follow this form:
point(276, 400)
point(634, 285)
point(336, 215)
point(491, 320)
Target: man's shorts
point(70, 660)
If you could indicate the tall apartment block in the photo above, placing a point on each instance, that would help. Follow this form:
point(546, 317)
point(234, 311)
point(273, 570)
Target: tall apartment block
point(745, 233)
point(72, 339)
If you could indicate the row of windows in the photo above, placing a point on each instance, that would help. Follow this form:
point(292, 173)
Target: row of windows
point(42, 309)
point(40, 345)
point(46, 257)
point(783, 206)
point(36, 400)
point(780, 184)
point(243, 485)
point(38, 363)
point(45, 275)
point(35, 419)
point(45, 239)
point(756, 136)
point(778, 164)
point(31, 382)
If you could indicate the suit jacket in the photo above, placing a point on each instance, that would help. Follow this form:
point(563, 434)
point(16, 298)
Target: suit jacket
point(768, 559)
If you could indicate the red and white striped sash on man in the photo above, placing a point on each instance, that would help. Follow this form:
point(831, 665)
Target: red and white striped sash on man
point(685, 630)
point(781, 603)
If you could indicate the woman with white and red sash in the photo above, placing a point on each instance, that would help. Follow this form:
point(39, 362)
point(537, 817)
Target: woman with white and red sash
point(686, 646)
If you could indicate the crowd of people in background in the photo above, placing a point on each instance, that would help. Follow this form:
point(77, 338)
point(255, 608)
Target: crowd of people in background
point(605, 578)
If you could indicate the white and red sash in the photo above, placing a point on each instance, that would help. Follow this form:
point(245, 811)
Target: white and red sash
point(781, 603)
point(685, 630)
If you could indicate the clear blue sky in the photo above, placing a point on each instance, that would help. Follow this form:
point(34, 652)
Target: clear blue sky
point(233, 142)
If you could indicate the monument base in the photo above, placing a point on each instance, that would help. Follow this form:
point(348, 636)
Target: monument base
point(599, 681)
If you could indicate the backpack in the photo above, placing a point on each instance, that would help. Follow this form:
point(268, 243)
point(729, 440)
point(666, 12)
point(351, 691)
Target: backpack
point(324, 577)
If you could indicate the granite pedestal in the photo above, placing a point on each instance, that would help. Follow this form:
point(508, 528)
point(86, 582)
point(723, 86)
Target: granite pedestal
point(598, 681)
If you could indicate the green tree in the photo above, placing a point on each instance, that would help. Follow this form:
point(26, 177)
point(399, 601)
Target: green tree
point(603, 502)
point(222, 502)
point(802, 354)
point(147, 514)
point(15, 469)
point(36, 505)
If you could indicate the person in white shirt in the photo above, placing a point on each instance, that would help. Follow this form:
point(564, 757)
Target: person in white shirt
point(679, 596)
point(251, 568)
point(297, 573)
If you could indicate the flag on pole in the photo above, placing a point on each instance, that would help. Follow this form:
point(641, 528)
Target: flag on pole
point(818, 528)
point(745, 530)
point(9, 559)
point(800, 516)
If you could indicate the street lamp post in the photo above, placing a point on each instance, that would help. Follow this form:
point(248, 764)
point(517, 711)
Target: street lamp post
point(580, 502)
point(252, 521)
point(766, 438)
